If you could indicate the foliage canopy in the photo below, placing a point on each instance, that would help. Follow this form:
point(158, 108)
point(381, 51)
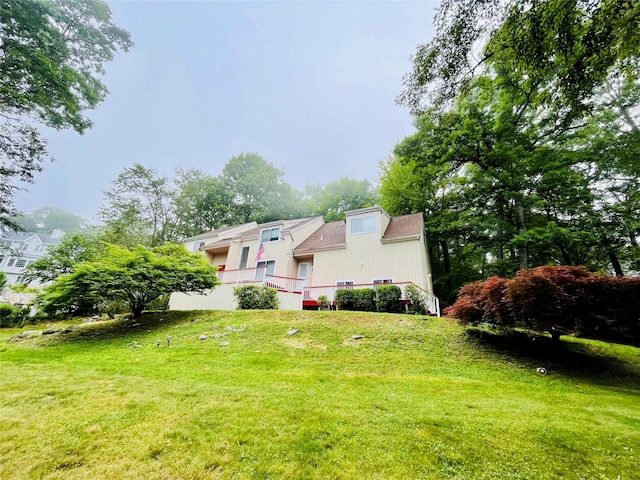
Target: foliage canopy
point(51, 62)
point(134, 276)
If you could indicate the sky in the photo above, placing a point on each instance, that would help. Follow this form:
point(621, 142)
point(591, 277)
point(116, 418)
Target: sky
point(309, 86)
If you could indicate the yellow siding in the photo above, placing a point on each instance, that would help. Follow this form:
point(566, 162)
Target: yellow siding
point(365, 258)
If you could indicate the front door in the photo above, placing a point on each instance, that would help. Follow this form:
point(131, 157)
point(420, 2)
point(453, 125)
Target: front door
point(303, 271)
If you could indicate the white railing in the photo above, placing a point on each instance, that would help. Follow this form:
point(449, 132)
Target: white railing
point(259, 275)
point(313, 293)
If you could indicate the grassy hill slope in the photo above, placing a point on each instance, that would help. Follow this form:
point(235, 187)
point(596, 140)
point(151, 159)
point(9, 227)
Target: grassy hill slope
point(416, 397)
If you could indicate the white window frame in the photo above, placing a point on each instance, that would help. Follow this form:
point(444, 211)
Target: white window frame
point(346, 284)
point(11, 261)
point(242, 264)
point(260, 272)
point(271, 237)
point(364, 227)
point(21, 263)
point(382, 281)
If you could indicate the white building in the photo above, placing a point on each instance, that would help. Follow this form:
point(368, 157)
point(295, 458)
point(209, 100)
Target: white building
point(20, 249)
point(307, 258)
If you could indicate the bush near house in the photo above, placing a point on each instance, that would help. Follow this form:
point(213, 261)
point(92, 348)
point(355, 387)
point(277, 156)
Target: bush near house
point(559, 299)
point(254, 297)
point(345, 299)
point(417, 300)
point(364, 300)
point(388, 299)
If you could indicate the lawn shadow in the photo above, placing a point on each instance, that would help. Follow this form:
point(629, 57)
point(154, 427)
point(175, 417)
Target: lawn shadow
point(571, 359)
point(121, 327)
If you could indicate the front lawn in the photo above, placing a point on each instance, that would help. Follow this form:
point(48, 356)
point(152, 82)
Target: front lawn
point(415, 397)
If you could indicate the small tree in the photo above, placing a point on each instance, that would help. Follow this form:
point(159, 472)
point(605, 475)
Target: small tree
point(62, 258)
point(254, 297)
point(3, 280)
point(136, 277)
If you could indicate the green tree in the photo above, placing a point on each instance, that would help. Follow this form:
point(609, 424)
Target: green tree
point(47, 219)
point(51, 62)
point(201, 203)
point(3, 280)
point(259, 190)
point(570, 47)
point(505, 184)
point(61, 259)
point(139, 208)
point(336, 198)
point(135, 277)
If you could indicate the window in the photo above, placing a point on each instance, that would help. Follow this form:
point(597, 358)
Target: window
point(363, 224)
point(21, 263)
point(270, 235)
point(347, 284)
point(381, 281)
point(18, 280)
point(244, 256)
point(268, 267)
point(197, 246)
point(5, 244)
point(38, 248)
point(11, 261)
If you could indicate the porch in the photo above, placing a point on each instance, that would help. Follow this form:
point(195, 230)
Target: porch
point(260, 276)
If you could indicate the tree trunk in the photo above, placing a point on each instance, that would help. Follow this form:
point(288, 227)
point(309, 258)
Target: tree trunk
point(615, 263)
point(446, 260)
point(522, 228)
point(136, 310)
point(500, 249)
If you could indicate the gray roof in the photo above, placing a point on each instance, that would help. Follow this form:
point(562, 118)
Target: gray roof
point(45, 238)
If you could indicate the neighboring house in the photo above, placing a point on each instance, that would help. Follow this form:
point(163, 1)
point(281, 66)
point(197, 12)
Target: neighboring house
point(20, 249)
point(306, 258)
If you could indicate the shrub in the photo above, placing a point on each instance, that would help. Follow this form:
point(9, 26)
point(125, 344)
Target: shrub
point(388, 298)
point(345, 299)
point(323, 302)
point(364, 300)
point(111, 308)
point(465, 309)
point(417, 300)
point(8, 315)
point(558, 300)
point(160, 303)
point(254, 297)
point(491, 298)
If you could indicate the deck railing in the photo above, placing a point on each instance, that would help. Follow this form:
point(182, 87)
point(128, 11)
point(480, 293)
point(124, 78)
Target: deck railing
point(259, 275)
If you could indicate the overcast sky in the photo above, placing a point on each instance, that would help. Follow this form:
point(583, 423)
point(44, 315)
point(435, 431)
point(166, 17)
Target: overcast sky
point(310, 86)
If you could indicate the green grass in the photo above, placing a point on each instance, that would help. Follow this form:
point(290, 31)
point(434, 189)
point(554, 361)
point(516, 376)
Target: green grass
point(415, 398)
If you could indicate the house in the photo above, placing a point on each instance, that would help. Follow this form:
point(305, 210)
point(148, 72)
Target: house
point(20, 249)
point(307, 258)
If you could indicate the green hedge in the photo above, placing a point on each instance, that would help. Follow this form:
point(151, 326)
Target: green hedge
point(345, 299)
point(254, 297)
point(364, 300)
point(388, 299)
